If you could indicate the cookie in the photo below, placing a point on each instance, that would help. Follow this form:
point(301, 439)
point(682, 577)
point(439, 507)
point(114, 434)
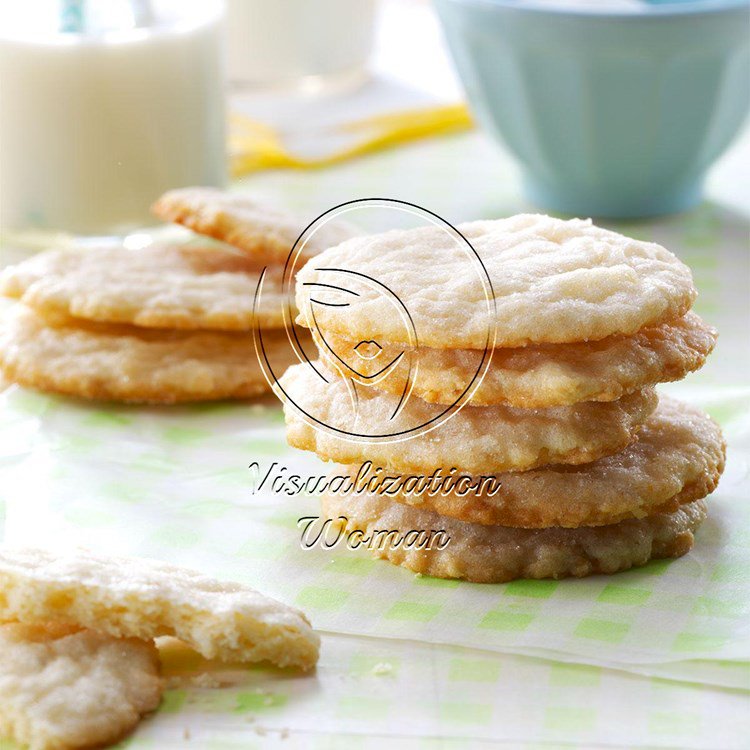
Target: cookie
point(678, 458)
point(138, 365)
point(497, 554)
point(553, 281)
point(158, 286)
point(138, 598)
point(544, 375)
point(62, 687)
point(475, 439)
point(260, 231)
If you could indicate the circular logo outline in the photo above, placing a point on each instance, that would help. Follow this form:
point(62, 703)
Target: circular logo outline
point(289, 310)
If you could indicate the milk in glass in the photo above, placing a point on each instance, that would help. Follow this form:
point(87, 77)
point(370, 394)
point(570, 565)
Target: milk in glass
point(293, 42)
point(95, 125)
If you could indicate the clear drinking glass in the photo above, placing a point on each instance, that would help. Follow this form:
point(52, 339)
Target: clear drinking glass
point(298, 43)
point(105, 105)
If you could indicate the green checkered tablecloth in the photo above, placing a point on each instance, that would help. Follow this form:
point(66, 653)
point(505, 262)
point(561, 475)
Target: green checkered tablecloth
point(174, 483)
point(653, 657)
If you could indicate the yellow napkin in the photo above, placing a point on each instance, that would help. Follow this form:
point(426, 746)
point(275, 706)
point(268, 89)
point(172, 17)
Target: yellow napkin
point(255, 146)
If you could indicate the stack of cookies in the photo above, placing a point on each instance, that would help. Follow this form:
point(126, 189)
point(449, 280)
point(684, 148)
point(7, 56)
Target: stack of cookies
point(165, 323)
point(507, 397)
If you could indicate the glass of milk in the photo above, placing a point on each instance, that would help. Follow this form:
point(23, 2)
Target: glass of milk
point(105, 105)
point(298, 43)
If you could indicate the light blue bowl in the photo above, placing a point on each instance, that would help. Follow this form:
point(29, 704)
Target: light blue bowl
point(610, 113)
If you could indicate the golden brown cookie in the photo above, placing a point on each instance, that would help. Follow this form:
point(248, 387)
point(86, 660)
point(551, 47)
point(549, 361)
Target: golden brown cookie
point(544, 375)
point(63, 687)
point(678, 458)
point(159, 286)
point(475, 439)
point(552, 281)
point(497, 554)
point(262, 232)
point(138, 365)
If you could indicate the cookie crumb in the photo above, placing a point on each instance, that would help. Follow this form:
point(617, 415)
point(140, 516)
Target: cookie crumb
point(382, 668)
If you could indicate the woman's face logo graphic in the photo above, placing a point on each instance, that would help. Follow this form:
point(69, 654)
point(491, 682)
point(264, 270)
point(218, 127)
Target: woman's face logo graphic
point(366, 362)
point(364, 365)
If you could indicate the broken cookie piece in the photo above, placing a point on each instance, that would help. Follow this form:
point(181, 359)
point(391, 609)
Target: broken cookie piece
point(138, 598)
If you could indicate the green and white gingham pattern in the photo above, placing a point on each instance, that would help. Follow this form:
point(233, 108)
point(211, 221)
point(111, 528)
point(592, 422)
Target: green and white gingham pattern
point(421, 697)
point(174, 483)
point(367, 691)
point(409, 658)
